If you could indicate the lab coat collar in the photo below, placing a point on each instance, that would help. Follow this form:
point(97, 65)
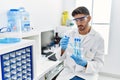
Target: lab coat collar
point(91, 33)
point(88, 36)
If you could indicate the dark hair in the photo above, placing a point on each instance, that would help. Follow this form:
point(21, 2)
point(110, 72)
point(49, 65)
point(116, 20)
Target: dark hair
point(80, 10)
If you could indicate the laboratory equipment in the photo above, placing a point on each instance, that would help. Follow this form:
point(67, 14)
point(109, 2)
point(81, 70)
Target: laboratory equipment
point(65, 17)
point(16, 61)
point(7, 39)
point(57, 39)
point(12, 33)
point(18, 20)
point(25, 19)
point(14, 22)
point(77, 56)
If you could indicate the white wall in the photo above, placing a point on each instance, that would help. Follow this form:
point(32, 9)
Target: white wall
point(43, 13)
point(112, 64)
point(68, 5)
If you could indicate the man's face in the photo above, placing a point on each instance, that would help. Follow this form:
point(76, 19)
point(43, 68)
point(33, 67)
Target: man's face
point(82, 21)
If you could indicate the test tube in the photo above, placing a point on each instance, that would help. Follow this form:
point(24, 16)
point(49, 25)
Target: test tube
point(78, 45)
point(75, 45)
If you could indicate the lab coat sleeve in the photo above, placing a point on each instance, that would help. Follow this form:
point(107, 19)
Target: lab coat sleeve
point(95, 65)
point(58, 54)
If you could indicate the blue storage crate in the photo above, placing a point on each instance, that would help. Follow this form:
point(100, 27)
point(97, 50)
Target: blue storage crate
point(17, 65)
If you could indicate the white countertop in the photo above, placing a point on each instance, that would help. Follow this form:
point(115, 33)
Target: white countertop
point(14, 46)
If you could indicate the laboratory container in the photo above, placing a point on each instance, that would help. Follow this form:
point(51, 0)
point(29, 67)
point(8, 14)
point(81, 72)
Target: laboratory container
point(14, 22)
point(25, 20)
point(13, 33)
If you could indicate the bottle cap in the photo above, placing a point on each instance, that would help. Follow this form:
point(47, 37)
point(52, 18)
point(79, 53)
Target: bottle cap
point(21, 9)
point(67, 37)
point(14, 10)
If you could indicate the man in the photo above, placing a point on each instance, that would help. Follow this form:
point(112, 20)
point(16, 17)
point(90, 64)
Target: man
point(86, 61)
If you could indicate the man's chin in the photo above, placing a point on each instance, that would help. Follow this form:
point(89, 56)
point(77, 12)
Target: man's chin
point(81, 29)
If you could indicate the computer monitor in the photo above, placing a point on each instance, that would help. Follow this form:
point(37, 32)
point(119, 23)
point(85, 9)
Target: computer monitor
point(47, 40)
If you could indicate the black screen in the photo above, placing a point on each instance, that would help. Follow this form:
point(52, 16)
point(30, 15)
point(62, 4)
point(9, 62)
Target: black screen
point(47, 39)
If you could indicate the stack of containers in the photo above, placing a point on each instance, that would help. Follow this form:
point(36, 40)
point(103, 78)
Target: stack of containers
point(18, 22)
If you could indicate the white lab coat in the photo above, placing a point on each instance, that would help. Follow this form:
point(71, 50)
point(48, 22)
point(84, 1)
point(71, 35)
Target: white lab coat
point(92, 46)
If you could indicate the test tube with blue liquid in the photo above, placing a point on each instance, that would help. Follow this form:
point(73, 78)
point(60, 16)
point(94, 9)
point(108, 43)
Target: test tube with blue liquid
point(77, 44)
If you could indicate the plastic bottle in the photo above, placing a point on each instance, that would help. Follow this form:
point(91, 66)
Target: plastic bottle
point(14, 23)
point(25, 21)
point(13, 34)
point(65, 17)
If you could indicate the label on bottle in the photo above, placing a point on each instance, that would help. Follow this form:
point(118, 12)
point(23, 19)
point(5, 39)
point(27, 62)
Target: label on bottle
point(25, 22)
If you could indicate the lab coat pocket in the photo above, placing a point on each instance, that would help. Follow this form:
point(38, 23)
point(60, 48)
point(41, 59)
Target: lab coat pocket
point(90, 53)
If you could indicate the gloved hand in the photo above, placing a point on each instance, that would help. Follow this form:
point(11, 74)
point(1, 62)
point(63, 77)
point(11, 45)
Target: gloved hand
point(78, 59)
point(64, 42)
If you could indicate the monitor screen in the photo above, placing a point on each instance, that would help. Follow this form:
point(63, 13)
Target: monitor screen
point(47, 39)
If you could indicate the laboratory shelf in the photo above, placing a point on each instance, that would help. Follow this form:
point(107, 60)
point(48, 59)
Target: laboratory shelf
point(19, 34)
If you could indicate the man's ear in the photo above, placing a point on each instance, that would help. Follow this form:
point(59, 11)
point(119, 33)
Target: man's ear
point(89, 18)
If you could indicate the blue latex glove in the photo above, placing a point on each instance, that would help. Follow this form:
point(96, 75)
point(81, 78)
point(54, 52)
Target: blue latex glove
point(78, 59)
point(64, 42)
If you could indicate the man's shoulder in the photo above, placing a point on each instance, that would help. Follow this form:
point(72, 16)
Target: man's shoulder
point(97, 34)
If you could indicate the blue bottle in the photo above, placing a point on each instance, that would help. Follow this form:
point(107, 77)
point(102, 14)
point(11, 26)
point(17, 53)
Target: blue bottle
point(14, 23)
point(25, 21)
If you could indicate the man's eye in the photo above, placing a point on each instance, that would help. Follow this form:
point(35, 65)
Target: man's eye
point(82, 19)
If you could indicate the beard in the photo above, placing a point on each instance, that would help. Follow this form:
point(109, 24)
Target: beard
point(81, 27)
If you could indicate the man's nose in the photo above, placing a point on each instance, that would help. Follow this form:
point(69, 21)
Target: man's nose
point(79, 22)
